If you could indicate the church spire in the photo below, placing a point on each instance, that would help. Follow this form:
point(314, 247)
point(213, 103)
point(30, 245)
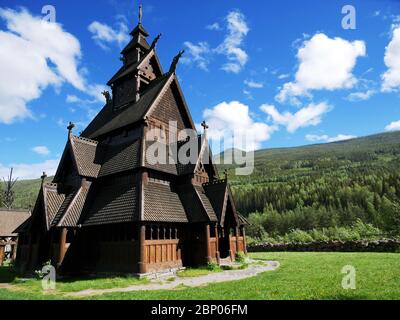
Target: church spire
point(140, 13)
point(138, 45)
point(139, 30)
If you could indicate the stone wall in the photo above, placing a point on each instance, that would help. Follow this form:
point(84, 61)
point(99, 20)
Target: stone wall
point(390, 245)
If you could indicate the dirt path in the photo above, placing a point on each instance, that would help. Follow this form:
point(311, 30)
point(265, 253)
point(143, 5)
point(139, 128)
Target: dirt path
point(6, 286)
point(228, 275)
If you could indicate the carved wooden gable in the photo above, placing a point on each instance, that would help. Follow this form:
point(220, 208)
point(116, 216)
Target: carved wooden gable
point(171, 108)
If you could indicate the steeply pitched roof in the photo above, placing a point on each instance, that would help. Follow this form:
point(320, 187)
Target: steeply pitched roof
point(112, 200)
point(10, 220)
point(139, 35)
point(216, 192)
point(108, 120)
point(219, 193)
point(155, 161)
point(243, 221)
point(175, 167)
point(120, 157)
point(86, 157)
point(131, 68)
point(53, 198)
point(205, 201)
point(63, 208)
point(162, 203)
point(75, 208)
point(123, 71)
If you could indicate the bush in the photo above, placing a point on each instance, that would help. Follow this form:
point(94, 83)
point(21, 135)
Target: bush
point(240, 257)
point(298, 236)
point(212, 266)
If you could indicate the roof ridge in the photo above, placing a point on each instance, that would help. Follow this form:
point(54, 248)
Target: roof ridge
point(50, 184)
point(215, 182)
point(60, 214)
point(82, 189)
point(83, 139)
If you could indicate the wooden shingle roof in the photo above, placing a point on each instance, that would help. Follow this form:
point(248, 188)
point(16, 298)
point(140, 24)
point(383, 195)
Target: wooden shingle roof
point(10, 220)
point(108, 119)
point(53, 198)
point(205, 201)
point(162, 203)
point(120, 157)
point(219, 193)
point(75, 208)
point(86, 157)
point(113, 200)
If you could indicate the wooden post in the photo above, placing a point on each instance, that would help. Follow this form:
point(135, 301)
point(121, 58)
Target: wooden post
point(142, 249)
point(237, 239)
point(1, 254)
point(217, 244)
point(63, 240)
point(207, 239)
point(14, 250)
point(244, 240)
point(51, 247)
point(29, 257)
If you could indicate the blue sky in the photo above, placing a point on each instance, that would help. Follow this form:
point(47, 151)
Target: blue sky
point(252, 66)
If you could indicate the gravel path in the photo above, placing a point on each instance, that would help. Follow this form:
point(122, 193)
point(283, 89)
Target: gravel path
point(228, 275)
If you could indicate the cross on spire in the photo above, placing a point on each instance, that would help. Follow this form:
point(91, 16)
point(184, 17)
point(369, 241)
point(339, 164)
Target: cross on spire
point(204, 125)
point(70, 126)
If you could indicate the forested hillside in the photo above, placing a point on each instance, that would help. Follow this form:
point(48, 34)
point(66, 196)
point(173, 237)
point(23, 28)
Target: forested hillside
point(327, 190)
point(323, 186)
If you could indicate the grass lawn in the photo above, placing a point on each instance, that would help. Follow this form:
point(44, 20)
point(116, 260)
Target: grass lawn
point(301, 276)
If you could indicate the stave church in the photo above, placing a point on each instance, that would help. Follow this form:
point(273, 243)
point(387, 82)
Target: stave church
point(110, 207)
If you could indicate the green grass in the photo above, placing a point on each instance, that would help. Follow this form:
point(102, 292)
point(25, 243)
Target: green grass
point(32, 288)
point(301, 276)
point(195, 272)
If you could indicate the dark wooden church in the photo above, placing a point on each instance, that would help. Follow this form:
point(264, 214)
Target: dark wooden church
point(110, 208)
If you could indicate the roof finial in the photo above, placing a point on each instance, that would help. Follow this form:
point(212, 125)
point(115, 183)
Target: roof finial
point(70, 127)
point(175, 61)
point(153, 44)
point(140, 13)
point(44, 176)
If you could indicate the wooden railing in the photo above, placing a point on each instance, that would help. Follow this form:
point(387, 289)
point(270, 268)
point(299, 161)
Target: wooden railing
point(161, 254)
point(236, 245)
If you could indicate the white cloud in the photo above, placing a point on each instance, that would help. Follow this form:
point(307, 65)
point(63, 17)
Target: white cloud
point(394, 126)
point(34, 54)
point(307, 116)
point(237, 29)
point(377, 13)
point(253, 84)
point(215, 26)
point(24, 171)
point(283, 76)
point(42, 150)
point(326, 138)
point(324, 63)
point(199, 53)
point(360, 96)
point(92, 90)
point(231, 47)
point(391, 78)
point(104, 35)
point(234, 117)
